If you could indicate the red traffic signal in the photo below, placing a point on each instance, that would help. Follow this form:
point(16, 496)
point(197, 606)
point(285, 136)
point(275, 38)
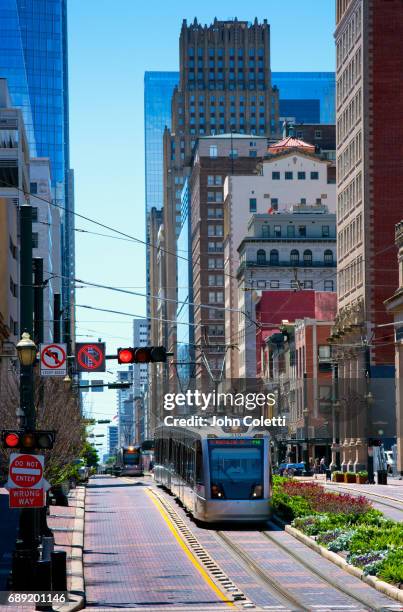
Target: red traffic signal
point(27, 440)
point(142, 354)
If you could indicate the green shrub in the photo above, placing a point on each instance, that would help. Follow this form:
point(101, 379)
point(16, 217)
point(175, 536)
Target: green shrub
point(372, 537)
point(391, 568)
point(290, 507)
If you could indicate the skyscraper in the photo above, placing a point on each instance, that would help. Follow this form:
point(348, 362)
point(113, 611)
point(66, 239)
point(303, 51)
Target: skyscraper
point(158, 89)
point(309, 97)
point(33, 59)
point(369, 106)
point(224, 86)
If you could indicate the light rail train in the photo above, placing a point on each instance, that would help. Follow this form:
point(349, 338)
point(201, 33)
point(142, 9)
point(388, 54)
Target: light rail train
point(217, 475)
point(129, 461)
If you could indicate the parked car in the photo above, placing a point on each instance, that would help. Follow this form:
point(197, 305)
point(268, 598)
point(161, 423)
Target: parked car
point(293, 469)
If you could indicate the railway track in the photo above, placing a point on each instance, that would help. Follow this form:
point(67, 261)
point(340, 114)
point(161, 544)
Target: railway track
point(352, 603)
point(336, 593)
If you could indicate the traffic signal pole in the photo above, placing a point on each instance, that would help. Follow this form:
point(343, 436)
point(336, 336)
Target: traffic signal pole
point(26, 552)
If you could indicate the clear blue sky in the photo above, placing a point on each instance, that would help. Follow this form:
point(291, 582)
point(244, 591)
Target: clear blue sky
point(111, 44)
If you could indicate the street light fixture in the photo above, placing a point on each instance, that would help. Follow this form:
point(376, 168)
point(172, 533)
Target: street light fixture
point(26, 350)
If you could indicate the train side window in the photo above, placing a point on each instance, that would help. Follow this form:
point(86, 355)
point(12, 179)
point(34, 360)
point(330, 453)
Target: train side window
point(199, 462)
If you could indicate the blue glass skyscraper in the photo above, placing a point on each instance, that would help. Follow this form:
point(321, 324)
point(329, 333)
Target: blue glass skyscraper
point(33, 59)
point(307, 96)
point(158, 89)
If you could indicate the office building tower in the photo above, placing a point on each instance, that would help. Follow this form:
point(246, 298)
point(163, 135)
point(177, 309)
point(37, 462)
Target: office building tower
point(306, 97)
point(158, 89)
point(140, 370)
point(369, 107)
point(14, 184)
point(113, 439)
point(224, 86)
point(185, 367)
point(33, 59)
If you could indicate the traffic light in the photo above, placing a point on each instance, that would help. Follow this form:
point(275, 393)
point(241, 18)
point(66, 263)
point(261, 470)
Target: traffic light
point(28, 440)
point(142, 354)
point(102, 421)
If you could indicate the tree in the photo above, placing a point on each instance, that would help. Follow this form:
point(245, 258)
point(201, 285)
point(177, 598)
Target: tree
point(58, 408)
point(90, 455)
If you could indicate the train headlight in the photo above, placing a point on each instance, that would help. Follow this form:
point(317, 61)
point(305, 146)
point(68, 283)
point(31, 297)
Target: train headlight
point(217, 491)
point(257, 491)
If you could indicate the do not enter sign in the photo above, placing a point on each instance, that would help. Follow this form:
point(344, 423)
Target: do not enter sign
point(26, 471)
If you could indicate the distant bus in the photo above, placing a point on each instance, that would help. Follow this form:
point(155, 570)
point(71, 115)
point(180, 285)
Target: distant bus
point(129, 461)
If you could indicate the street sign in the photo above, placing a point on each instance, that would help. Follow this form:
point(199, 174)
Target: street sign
point(90, 357)
point(53, 359)
point(26, 471)
point(27, 498)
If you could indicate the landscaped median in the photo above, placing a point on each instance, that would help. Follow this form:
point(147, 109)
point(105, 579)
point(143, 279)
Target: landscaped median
point(347, 525)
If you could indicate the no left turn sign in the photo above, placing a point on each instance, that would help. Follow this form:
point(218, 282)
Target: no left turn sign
point(53, 359)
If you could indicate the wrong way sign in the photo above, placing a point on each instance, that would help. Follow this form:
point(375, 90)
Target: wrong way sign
point(53, 359)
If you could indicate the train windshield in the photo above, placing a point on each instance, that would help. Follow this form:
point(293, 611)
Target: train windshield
point(131, 458)
point(236, 469)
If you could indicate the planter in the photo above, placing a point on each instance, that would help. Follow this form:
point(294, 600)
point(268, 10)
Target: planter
point(350, 477)
point(338, 477)
point(362, 477)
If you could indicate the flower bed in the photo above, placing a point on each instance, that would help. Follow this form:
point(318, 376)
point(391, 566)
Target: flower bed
point(343, 524)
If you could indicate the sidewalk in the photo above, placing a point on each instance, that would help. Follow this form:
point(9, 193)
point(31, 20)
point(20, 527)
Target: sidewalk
point(67, 524)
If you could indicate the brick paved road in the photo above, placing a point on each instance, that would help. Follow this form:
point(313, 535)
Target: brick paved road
point(131, 558)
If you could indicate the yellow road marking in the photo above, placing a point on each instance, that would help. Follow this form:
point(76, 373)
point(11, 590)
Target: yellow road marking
point(187, 552)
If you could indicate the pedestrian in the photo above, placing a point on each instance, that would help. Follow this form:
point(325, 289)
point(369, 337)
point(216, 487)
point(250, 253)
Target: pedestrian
point(322, 465)
point(316, 468)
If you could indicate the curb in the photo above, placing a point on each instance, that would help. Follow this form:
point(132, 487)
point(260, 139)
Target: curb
point(379, 585)
point(77, 588)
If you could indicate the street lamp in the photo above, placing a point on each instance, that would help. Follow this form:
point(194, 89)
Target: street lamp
point(26, 350)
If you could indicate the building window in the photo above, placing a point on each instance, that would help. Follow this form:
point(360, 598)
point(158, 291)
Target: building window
point(318, 134)
point(274, 284)
point(307, 258)
point(210, 180)
point(33, 188)
point(274, 203)
point(261, 257)
point(308, 284)
point(233, 153)
point(252, 205)
point(275, 176)
point(213, 151)
point(301, 176)
point(211, 263)
point(302, 231)
point(294, 257)
point(252, 153)
point(290, 231)
point(324, 352)
point(328, 285)
point(277, 231)
point(211, 196)
point(34, 213)
point(218, 180)
point(314, 176)
point(288, 176)
point(35, 240)
point(265, 231)
point(274, 258)
point(328, 257)
point(325, 231)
